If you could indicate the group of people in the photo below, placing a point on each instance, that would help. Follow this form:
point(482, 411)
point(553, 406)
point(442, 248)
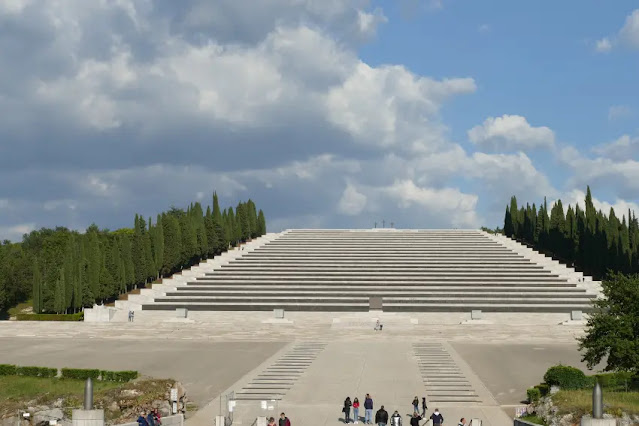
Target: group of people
point(382, 418)
point(150, 418)
point(284, 421)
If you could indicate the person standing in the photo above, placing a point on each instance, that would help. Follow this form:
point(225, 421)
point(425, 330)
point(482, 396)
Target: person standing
point(142, 419)
point(284, 421)
point(149, 418)
point(381, 417)
point(347, 409)
point(462, 422)
point(368, 410)
point(437, 418)
point(424, 407)
point(271, 421)
point(396, 419)
point(356, 410)
point(414, 421)
point(416, 405)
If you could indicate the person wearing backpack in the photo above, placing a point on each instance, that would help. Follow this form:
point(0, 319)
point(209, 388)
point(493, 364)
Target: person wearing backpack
point(347, 409)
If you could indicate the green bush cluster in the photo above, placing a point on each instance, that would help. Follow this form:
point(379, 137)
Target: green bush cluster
point(7, 370)
point(534, 394)
point(36, 371)
point(50, 317)
point(69, 373)
point(118, 376)
point(566, 377)
point(80, 373)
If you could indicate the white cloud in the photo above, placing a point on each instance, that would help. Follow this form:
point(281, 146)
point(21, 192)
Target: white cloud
point(624, 148)
point(510, 132)
point(352, 202)
point(460, 207)
point(628, 35)
point(620, 206)
point(389, 105)
point(15, 232)
point(616, 112)
point(603, 46)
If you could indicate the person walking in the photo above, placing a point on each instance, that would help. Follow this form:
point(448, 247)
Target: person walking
point(424, 407)
point(462, 422)
point(271, 421)
point(414, 421)
point(381, 417)
point(368, 410)
point(356, 410)
point(416, 405)
point(347, 409)
point(437, 418)
point(284, 421)
point(396, 419)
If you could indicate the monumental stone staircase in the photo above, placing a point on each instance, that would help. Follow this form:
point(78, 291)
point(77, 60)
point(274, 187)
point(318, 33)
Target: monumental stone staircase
point(353, 270)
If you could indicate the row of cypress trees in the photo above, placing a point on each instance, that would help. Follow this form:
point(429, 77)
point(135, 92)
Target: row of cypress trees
point(588, 239)
point(67, 270)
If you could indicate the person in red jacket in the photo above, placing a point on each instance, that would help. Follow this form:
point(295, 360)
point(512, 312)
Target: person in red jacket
point(356, 410)
point(284, 421)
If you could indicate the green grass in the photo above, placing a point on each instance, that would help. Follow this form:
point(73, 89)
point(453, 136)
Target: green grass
point(21, 387)
point(532, 418)
point(579, 402)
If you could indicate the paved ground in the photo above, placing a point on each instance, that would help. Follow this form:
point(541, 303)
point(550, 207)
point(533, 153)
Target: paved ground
point(217, 353)
point(205, 368)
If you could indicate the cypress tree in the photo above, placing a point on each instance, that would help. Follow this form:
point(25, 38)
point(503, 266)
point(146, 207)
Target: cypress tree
point(261, 223)
point(172, 244)
point(58, 303)
point(37, 287)
point(159, 245)
point(148, 254)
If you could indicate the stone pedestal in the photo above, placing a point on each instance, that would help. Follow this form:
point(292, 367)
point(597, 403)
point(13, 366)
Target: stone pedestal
point(219, 420)
point(181, 313)
point(88, 417)
point(589, 421)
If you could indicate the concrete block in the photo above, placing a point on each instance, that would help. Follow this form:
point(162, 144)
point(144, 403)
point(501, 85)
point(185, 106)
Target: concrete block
point(279, 313)
point(589, 421)
point(99, 314)
point(475, 314)
point(87, 417)
point(219, 421)
point(182, 312)
point(576, 315)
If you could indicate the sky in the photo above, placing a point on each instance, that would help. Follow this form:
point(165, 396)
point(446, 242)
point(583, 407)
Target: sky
point(326, 113)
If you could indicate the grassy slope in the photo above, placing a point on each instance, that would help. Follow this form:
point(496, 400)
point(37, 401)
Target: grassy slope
point(579, 402)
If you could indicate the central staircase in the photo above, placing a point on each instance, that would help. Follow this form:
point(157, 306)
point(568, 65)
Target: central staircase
point(404, 270)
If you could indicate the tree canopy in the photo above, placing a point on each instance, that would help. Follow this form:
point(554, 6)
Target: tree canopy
point(587, 239)
point(612, 333)
point(64, 270)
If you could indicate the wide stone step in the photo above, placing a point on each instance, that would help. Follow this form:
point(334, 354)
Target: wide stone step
point(386, 293)
point(354, 307)
point(372, 269)
point(286, 261)
point(442, 273)
point(447, 287)
point(365, 282)
point(497, 299)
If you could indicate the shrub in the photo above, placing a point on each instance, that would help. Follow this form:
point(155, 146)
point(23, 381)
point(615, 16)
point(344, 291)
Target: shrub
point(118, 376)
point(533, 395)
point(7, 370)
point(617, 380)
point(37, 371)
point(544, 389)
point(50, 317)
point(566, 377)
point(80, 373)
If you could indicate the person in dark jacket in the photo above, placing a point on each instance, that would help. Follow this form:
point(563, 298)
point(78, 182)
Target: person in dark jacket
point(347, 409)
point(368, 410)
point(284, 421)
point(437, 418)
point(381, 417)
point(149, 419)
point(142, 419)
point(414, 421)
point(416, 405)
point(424, 407)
